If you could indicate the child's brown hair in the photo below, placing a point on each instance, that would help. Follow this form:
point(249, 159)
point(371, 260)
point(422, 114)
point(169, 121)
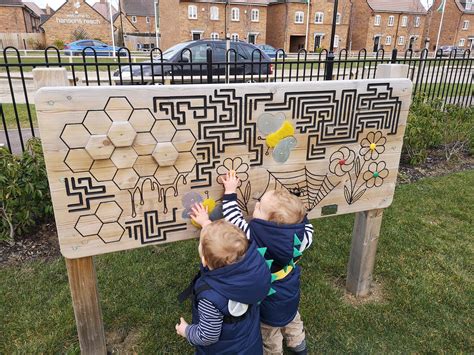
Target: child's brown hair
point(286, 209)
point(222, 244)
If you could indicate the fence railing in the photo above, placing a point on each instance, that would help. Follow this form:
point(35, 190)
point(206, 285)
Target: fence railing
point(448, 76)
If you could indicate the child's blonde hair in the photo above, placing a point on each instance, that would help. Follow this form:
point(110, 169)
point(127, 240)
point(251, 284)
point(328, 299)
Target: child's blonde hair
point(285, 209)
point(222, 244)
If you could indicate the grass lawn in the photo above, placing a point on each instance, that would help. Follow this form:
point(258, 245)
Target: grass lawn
point(424, 270)
point(22, 109)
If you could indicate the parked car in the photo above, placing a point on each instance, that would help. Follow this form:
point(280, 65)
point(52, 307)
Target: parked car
point(190, 59)
point(271, 51)
point(448, 49)
point(101, 49)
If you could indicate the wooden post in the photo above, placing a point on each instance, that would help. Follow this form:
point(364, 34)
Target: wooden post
point(81, 271)
point(365, 234)
point(85, 300)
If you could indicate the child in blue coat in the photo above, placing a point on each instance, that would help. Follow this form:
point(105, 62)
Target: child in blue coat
point(280, 225)
point(233, 279)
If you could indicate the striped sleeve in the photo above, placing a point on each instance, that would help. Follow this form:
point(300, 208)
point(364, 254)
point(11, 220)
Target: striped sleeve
point(233, 214)
point(308, 235)
point(208, 330)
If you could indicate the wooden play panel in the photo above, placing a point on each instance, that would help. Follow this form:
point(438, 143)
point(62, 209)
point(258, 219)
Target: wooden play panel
point(125, 163)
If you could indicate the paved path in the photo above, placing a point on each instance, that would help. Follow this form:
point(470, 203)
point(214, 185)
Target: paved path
point(14, 138)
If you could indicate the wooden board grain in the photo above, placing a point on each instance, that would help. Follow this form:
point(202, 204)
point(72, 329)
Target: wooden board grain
point(342, 153)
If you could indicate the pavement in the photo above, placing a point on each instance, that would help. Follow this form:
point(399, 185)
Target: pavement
point(14, 137)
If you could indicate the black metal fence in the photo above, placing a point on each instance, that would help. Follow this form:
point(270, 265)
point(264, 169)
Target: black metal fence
point(448, 76)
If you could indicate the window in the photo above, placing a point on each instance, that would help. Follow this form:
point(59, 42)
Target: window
point(234, 37)
point(417, 21)
point(336, 41)
point(404, 21)
point(147, 19)
point(214, 35)
point(134, 19)
point(299, 17)
point(388, 40)
point(318, 17)
point(378, 20)
point(196, 35)
point(338, 19)
point(214, 13)
point(255, 15)
point(401, 40)
point(235, 14)
point(465, 25)
point(461, 42)
point(391, 20)
point(469, 5)
point(192, 12)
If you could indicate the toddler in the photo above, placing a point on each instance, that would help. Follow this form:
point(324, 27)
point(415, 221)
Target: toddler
point(226, 292)
point(280, 225)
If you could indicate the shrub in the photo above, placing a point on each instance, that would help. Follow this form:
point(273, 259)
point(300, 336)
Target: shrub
point(432, 125)
point(36, 44)
point(59, 44)
point(24, 192)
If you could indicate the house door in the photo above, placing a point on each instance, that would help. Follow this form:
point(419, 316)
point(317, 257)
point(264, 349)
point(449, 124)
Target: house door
point(252, 38)
point(317, 42)
point(412, 41)
point(196, 36)
point(376, 43)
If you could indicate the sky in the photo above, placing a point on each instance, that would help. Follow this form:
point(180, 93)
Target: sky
point(56, 3)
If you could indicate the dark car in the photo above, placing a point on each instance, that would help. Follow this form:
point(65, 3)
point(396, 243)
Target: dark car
point(190, 59)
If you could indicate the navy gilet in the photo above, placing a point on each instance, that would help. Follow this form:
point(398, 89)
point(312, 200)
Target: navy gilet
point(279, 309)
point(247, 281)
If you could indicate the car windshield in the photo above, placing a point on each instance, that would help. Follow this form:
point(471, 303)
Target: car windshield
point(170, 52)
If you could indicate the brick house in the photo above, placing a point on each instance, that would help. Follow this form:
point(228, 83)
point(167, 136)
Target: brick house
point(388, 24)
point(121, 22)
point(458, 24)
point(17, 17)
point(190, 20)
point(76, 16)
point(288, 24)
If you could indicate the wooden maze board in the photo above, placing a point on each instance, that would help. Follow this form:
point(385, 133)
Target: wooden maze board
point(125, 163)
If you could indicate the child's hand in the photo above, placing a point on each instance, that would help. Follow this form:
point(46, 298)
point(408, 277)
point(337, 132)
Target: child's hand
point(181, 327)
point(231, 181)
point(199, 215)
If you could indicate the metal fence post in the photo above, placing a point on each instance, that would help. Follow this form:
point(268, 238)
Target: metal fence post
point(209, 65)
point(394, 56)
point(329, 65)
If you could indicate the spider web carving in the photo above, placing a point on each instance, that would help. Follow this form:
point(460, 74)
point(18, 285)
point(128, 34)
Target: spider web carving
point(310, 188)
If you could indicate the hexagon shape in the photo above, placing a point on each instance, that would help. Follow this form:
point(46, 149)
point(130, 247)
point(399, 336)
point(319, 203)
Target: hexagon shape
point(163, 130)
point(126, 179)
point(145, 165)
point(118, 109)
point(75, 135)
point(111, 232)
point(122, 134)
point(97, 122)
point(103, 170)
point(99, 147)
point(165, 154)
point(185, 162)
point(78, 160)
point(142, 120)
point(184, 140)
point(88, 225)
point(144, 143)
point(108, 212)
point(166, 175)
point(124, 157)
